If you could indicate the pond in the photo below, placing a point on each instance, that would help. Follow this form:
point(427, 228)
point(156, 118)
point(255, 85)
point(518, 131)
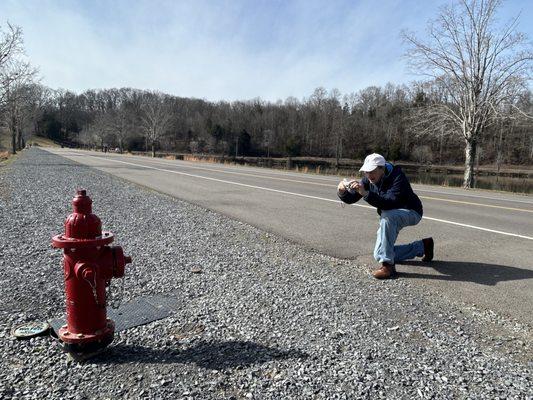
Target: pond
point(517, 185)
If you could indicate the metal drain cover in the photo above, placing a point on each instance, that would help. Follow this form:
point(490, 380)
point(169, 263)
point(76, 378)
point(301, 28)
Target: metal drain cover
point(139, 311)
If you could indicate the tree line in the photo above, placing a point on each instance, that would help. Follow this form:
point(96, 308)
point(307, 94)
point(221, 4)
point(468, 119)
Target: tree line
point(326, 124)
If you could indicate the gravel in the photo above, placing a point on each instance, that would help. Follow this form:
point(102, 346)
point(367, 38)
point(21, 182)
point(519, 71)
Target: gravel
point(258, 317)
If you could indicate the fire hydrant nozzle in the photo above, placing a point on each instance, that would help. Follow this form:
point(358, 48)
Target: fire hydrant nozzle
point(89, 265)
point(85, 271)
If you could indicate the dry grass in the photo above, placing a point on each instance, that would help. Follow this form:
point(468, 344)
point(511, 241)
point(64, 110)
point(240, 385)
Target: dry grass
point(304, 169)
point(6, 158)
point(5, 142)
point(41, 141)
point(202, 159)
point(5, 145)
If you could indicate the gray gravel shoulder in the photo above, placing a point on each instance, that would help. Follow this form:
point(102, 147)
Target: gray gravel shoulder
point(270, 319)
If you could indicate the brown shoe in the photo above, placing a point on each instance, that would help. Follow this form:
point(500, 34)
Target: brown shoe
point(428, 249)
point(386, 271)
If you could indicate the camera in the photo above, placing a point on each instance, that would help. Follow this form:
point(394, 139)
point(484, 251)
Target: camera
point(349, 195)
point(346, 182)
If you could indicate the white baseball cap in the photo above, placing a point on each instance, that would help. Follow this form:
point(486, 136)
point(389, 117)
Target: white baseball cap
point(372, 162)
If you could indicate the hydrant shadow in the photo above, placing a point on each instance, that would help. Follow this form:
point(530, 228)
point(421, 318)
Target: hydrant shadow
point(215, 356)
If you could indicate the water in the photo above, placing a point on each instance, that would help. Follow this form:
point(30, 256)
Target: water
point(517, 185)
point(415, 174)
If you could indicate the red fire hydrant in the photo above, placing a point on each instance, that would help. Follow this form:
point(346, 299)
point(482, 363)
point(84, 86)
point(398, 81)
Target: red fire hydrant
point(89, 265)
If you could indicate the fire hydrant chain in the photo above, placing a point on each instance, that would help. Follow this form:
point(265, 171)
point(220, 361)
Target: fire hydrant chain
point(93, 287)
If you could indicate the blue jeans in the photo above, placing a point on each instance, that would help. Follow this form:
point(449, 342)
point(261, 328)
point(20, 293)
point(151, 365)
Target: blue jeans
point(390, 224)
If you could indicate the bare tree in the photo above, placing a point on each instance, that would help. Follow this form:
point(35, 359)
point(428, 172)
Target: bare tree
point(15, 75)
point(336, 123)
point(479, 67)
point(427, 116)
point(40, 99)
point(118, 115)
point(18, 100)
point(119, 124)
point(155, 117)
point(26, 113)
point(95, 133)
point(11, 47)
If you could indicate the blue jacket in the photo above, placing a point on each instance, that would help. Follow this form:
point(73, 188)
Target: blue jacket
point(393, 191)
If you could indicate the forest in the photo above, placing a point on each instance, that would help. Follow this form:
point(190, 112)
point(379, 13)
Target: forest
point(325, 124)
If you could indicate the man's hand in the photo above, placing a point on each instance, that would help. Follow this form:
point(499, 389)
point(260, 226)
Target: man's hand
point(360, 188)
point(345, 184)
point(353, 185)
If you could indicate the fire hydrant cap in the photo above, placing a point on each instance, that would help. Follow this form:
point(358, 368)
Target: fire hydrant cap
point(82, 227)
point(82, 204)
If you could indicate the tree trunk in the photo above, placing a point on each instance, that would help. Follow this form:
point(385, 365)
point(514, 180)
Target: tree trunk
point(289, 163)
point(153, 149)
point(13, 143)
point(337, 152)
point(441, 143)
point(499, 153)
point(470, 158)
point(19, 139)
point(13, 135)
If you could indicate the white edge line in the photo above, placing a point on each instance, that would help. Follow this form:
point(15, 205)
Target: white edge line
point(478, 227)
point(310, 197)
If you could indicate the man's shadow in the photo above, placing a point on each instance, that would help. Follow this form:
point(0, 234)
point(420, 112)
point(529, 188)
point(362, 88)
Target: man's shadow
point(482, 273)
point(215, 356)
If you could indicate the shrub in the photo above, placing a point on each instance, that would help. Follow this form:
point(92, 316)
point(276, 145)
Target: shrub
point(422, 154)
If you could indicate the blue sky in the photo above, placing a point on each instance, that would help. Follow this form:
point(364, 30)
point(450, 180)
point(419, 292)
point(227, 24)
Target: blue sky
point(225, 50)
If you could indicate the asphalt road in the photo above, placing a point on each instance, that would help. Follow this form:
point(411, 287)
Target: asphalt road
point(484, 240)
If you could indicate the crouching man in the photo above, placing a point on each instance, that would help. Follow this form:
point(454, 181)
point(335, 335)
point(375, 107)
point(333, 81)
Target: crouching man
point(386, 187)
